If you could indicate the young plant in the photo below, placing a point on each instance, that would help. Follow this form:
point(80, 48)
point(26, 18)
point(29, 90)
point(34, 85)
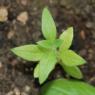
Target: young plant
point(51, 51)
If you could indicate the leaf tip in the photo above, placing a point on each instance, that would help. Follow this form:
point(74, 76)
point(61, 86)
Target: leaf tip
point(13, 50)
point(45, 9)
point(71, 28)
point(41, 81)
point(84, 61)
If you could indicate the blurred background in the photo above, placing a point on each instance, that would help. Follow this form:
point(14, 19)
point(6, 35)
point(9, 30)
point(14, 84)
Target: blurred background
point(20, 24)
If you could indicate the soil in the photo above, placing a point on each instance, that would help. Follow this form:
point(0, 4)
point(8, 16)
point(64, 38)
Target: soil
point(16, 75)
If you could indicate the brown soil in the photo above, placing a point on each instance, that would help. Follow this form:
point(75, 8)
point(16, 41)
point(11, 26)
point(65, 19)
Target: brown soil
point(16, 75)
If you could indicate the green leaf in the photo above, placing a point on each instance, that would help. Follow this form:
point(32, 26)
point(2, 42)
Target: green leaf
point(29, 52)
point(70, 58)
point(45, 43)
point(73, 71)
point(66, 37)
point(57, 43)
point(66, 87)
point(45, 67)
point(48, 25)
point(36, 71)
point(50, 44)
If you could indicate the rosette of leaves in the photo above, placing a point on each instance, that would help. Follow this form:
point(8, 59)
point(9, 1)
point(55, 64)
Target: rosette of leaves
point(51, 51)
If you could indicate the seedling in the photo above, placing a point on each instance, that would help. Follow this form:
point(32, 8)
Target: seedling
point(51, 51)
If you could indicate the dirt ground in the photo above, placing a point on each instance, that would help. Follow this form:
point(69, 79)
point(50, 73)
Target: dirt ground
point(16, 75)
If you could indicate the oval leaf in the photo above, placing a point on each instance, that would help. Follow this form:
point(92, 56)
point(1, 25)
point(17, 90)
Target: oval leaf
point(66, 87)
point(48, 25)
point(66, 37)
point(73, 71)
point(29, 52)
point(70, 58)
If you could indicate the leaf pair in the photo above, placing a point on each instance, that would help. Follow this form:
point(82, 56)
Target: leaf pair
point(46, 57)
point(69, 59)
point(45, 66)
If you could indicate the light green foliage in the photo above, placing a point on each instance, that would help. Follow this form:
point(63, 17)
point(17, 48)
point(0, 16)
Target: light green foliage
point(73, 71)
point(48, 25)
point(50, 44)
point(66, 87)
point(29, 52)
point(45, 66)
point(70, 58)
point(36, 71)
point(66, 37)
point(51, 51)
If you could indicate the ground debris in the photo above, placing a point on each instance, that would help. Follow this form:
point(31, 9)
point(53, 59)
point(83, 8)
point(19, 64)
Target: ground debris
point(3, 14)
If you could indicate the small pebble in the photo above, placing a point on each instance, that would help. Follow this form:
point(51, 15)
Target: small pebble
point(1, 65)
point(90, 56)
point(82, 34)
point(24, 2)
point(90, 51)
point(17, 91)
point(89, 24)
point(10, 34)
point(27, 88)
point(10, 93)
point(23, 93)
point(23, 17)
point(3, 14)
